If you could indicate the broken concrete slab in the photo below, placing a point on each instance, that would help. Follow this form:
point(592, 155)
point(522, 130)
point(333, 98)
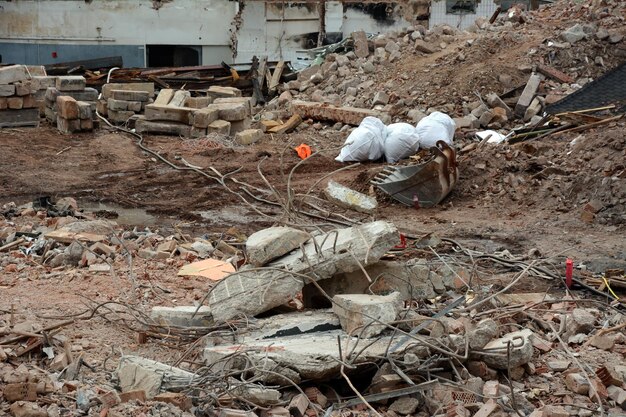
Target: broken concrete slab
point(137, 373)
point(347, 197)
point(527, 95)
point(108, 88)
point(291, 324)
point(179, 98)
point(521, 350)
point(271, 243)
point(184, 316)
point(366, 315)
point(344, 250)
point(323, 111)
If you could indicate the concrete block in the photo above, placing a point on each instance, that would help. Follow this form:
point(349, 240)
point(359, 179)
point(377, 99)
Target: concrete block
point(483, 333)
point(425, 47)
point(86, 125)
point(618, 395)
point(198, 132)
point(29, 102)
point(186, 316)
point(520, 353)
point(164, 97)
point(271, 243)
point(135, 106)
point(15, 103)
point(119, 116)
point(88, 94)
point(117, 105)
point(107, 88)
point(130, 95)
point(239, 100)
point(13, 73)
point(248, 136)
point(232, 111)
point(169, 113)
point(527, 95)
point(347, 197)
point(45, 81)
point(166, 128)
point(71, 83)
point(361, 47)
point(323, 111)
point(219, 126)
point(23, 88)
point(84, 110)
point(7, 90)
point(217, 92)
point(137, 373)
point(198, 102)
point(67, 107)
point(202, 118)
point(68, 125)
point(239, 126)
point(577, 383)
point(366, 315)
point(533, 110)
point(3, 103)
point(179, 98)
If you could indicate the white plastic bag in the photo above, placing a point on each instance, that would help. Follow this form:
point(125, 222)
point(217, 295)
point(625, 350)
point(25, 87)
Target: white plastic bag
point(402, 141)
point(365, 143)
point(435, 127)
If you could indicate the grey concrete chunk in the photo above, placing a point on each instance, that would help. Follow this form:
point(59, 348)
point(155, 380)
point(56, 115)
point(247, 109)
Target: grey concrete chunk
point(344, 250)
point(13, 73)
point(274, 242)
point(365, 315)
point(137, 373)
point(179, 98)
point(185, 316)
point(347, 197)
point(527, 95)
point(521, 350)
point(71, 83)
point(574, 34)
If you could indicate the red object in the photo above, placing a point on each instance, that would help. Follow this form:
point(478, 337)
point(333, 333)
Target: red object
point(402, 244)
point(569, 272)
point(54, 55)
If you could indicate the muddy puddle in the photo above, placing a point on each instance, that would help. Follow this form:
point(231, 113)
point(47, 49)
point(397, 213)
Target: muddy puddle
point(122, 215)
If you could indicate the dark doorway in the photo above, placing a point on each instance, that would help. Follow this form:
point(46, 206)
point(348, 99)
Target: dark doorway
point(172, 55)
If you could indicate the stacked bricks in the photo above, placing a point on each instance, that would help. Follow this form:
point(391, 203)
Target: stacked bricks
point(122, 101)
point(73, 116)
point(175, 112)
point(69, 86)
point(18, 106)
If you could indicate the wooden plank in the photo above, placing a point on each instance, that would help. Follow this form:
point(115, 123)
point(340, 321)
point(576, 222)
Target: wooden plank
point(19, 118)
point(291, 124)
point(278, 72)
point(262, 71)
point(90, 64)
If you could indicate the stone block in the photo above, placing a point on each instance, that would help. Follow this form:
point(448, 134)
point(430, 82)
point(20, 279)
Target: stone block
point(527, 95)
point(198, 132)
point(24, 88)
point(68, 125)
point(3, 103)
point(521, 350)
point(217, 92)
point(166, 128)
point(361, 47)
point(248, 136)
point(577, 383)
point(202, 118)
point(198, 102)
point(366, 315)
point(71, 83)
point(67, 107)
point(231, 112)
point(323, 111)
point(119, 116)
point(15, 103)
point(237, 100)
point(84, 110)
point(179, 98)
point(272, 243)
point(239, 126)
point(7, 90)
point(45, 81)
point(130, 95)
point(13, 73)
point(88, 94)
point(135, 106)
point(86, 124)
point(29, 102)
point(117, 105)
point(164, 97)
point(424, 47)
point(169, 113)
point(108, 88)
point(618, 395)
point(349, 198)
point(219, 126)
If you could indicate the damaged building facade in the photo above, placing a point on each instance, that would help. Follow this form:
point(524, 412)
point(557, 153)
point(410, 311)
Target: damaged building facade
point(183, 32)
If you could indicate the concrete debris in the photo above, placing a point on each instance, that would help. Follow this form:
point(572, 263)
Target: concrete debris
point(137, 373)
point(343, 250)
point(366, 315)
point(348, 198)
point(511, 350)
point(272, 243)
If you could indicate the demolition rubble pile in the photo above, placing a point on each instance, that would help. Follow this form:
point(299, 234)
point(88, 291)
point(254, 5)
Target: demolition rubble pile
point(294, 323)
point(73, 93)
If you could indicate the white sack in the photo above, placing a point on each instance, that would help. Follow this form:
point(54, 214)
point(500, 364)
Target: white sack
point(435, 127)
point(365, 143)
point(402, 141)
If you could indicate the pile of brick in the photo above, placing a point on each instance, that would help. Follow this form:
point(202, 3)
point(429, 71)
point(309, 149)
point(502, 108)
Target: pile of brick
point(69, 86)
point(122, 101)
point(174, 112)
point(18, 106)
point(73, 116)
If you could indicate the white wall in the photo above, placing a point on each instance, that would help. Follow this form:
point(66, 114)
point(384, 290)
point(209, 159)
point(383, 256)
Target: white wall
point(438, 16)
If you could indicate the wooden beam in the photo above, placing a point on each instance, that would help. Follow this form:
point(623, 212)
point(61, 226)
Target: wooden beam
point(278, 72)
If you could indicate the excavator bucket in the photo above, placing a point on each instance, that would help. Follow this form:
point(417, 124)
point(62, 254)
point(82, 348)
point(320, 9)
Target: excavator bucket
point(427, 183)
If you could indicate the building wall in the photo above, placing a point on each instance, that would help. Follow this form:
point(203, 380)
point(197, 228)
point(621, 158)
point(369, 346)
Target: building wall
point(438, 15)
point(32, 30)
